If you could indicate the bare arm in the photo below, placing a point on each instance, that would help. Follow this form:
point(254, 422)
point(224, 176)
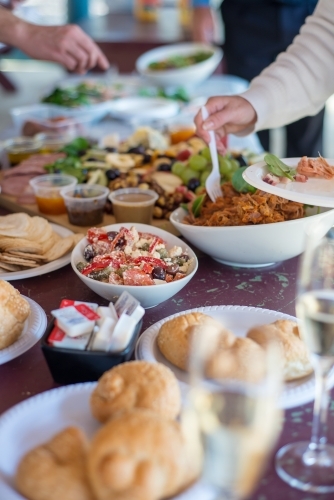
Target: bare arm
point(67, 45)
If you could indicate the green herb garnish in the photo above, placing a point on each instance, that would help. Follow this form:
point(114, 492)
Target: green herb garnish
point(239, 183)
point(277, 167)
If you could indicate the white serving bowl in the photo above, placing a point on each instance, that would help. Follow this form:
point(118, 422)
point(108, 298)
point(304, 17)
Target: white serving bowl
point(188, 76)
point(148, 296)
point(252, 246)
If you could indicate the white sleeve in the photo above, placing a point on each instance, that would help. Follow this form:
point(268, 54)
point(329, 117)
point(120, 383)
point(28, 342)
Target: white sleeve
point(301, 79)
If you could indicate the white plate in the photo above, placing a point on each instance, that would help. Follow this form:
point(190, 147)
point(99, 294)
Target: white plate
point(45, 268)
point(318, 192)
point(37, 419)
point(238, 319)
point(146, 108)
point(33, 330)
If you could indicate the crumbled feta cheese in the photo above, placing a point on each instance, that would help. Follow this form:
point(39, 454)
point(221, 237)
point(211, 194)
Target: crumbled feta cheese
point(128, 250)
point(175, 251)
point(156, 255)
point(134, 233)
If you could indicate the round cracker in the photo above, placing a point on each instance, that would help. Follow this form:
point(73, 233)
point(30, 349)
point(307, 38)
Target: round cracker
point(60, 248)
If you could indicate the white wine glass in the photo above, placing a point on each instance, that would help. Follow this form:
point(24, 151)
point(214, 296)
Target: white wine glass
point(237, 422)
point(309, 466)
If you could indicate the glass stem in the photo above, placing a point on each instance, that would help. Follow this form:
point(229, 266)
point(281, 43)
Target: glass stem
point(319, 426)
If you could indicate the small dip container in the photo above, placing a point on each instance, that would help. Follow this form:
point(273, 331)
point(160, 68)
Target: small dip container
point(20, 148)
point(47, 192)
point(85, 203)
point(133, 204)
point(52, 142)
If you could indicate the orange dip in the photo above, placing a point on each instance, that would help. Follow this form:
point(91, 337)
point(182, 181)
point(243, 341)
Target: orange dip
point(51, 206)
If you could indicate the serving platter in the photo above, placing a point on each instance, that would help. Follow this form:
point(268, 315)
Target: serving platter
point(45, 268)
point(37, 419)
point(318, 192)
point(238, 319)
point(34, 328)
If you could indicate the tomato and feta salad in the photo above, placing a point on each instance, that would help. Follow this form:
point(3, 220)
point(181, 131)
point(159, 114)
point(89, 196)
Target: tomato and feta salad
point(130, 257)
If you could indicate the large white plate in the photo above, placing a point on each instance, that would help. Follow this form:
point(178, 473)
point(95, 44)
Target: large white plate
point(45, 268)
point(33, 330)
point(318, 192)
point(238, 319)
point(146, 108)
point(37, 419)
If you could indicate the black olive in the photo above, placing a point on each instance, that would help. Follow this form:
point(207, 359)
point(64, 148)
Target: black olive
point(241, 160)
point(185, 257)
point(158, 273)
point(89, 253)
point(112, 235)
point(165, 167)
point(193, 184)
point(138, 150)
point(81, 152)
point(92, 159)
point(172, 269)
point(110, 150)
point(147, 158)
point(120, 243)
point(112, 174)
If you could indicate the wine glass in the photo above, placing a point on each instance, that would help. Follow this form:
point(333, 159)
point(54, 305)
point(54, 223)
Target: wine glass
point(309, 466)
point(237, 421)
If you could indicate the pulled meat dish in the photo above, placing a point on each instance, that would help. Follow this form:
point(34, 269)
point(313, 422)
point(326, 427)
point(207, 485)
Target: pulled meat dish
point(238, 209)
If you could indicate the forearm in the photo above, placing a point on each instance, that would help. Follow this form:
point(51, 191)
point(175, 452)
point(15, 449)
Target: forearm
point(11, 28)
point(301, 79)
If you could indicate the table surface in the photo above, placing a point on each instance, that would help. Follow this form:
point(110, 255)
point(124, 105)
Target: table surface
point(214, 284)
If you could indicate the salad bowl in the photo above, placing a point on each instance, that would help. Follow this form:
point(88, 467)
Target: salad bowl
point(148, 296)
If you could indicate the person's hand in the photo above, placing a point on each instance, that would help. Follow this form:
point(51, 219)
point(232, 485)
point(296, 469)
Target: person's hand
point(227, 115)
point(203, 25)
point(67, 45)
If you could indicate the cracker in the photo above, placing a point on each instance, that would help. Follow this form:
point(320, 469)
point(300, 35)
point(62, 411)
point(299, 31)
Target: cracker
point(15, 225)
point(60, 248)
point(17, 260)
point(20, 245)
point(29, 256)
point(6, 266)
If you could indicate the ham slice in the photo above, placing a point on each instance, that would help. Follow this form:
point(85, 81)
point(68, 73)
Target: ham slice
point(34, 165)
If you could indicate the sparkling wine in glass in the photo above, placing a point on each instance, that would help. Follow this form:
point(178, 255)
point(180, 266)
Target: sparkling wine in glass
point(238, 422)
point(309, 466)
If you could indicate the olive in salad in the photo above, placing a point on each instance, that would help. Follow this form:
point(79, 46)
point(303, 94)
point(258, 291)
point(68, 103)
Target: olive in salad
point(133, 258)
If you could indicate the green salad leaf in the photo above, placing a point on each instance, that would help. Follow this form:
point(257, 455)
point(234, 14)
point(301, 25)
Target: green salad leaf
point(277, 167)
point(197, 205)
point(239, 183)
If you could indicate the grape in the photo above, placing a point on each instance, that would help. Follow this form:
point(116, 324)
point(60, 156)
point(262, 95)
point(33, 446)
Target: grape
point(225, 165)
point(204, 176)
point(206, 154)
point(178, 168)
point(235, 164)
point(188, 174)
point(197, 162)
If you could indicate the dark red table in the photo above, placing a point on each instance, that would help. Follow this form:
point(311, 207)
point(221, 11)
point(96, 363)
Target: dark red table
point(213, 284)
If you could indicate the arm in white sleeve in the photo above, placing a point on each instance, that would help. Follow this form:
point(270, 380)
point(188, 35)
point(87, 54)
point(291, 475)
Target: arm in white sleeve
point(301, 79)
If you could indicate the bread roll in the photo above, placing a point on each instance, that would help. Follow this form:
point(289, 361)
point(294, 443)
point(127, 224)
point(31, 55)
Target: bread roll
point(56, 470)
point(244, 360)
point(139, 455)
point(136, 384)
point(297, 361)
point(14, 310)
point(175, 336)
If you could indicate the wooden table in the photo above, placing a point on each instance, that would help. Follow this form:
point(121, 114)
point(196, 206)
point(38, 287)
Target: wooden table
point(213, 284)
point(123, 39)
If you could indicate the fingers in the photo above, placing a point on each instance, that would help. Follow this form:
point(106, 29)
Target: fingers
point(95, 55)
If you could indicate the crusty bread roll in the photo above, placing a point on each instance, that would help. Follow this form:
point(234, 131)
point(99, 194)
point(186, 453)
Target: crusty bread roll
point(297, 361)
point(14, 310)
point(139, 455)
point(136, 384)
point(175, 336)
point(56, 470)
point(243, 360)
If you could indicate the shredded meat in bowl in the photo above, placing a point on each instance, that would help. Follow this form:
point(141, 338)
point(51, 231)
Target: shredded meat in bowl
point(238, 209)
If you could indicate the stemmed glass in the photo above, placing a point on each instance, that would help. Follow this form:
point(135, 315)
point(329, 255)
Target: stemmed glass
point(237, 422)
point(309, 466)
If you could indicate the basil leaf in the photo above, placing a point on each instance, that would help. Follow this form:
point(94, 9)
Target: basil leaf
point(239, 183)
point(279, 168)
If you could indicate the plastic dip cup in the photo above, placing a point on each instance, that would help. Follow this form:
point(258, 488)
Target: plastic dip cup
point(21, 148)
point(47, 192)
point(85, 203)
point(133, 204)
